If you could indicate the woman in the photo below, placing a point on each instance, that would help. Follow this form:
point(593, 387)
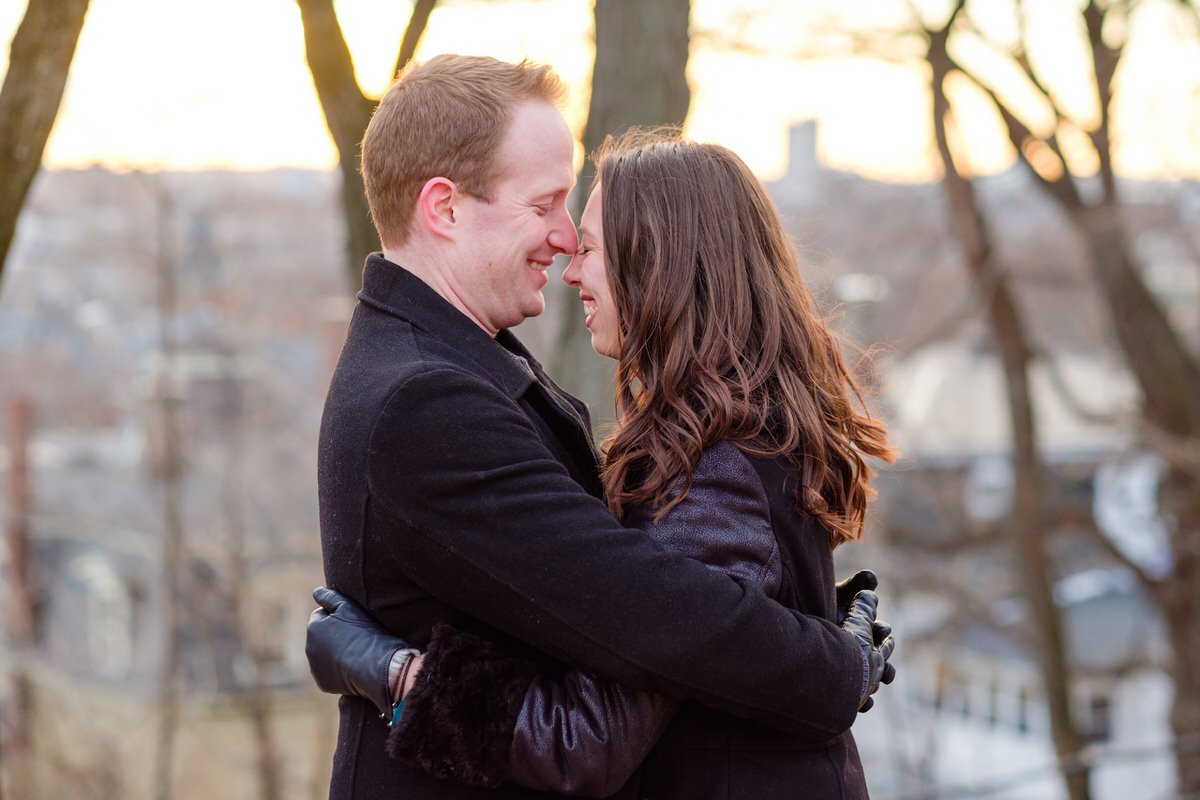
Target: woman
point(737, 415)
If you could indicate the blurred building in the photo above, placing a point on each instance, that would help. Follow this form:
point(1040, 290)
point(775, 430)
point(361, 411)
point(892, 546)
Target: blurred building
point(261, 303)
point(971, 692)
point(250, 330)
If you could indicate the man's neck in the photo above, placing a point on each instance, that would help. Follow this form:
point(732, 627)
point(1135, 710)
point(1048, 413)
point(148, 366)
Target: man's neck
point(438, 277)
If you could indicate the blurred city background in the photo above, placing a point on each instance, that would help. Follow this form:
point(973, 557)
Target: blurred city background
point(996, 202)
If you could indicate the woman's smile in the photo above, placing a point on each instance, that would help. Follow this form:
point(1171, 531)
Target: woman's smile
point(588, 272)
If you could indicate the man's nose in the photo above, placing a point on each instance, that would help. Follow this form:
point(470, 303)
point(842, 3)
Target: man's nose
point(562, 236)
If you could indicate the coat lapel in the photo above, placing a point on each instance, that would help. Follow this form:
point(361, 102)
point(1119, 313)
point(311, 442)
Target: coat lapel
point(393, 290)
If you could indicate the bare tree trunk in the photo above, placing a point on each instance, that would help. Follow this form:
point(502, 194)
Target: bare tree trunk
point(1180, 602)
point(171, 471)
point(638, 79)
point(19, 607)
point(1170, 386)
point(1179, 599)
point(1154, 351)
point(1015, 353)
point(348, 110)
point(39, 61)
point(1169, 378)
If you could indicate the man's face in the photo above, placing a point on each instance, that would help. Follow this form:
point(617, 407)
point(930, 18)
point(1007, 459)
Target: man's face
point(509, 243)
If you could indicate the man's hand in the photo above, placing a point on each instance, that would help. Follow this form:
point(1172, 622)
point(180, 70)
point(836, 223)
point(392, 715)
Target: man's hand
point(348, 651)
point(875, 639)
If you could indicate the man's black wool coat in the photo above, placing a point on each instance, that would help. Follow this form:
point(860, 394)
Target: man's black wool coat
point(457, 485)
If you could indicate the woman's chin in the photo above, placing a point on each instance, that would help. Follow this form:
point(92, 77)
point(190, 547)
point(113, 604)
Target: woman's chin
point(602, 349)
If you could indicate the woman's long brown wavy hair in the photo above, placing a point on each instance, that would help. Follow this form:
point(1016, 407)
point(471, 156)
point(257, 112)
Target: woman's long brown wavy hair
point(720, 339)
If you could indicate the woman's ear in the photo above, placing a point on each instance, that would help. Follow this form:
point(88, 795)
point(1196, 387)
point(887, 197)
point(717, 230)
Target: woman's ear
point(436, 206)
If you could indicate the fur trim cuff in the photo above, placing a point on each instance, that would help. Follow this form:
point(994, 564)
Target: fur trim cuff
point(459, 716)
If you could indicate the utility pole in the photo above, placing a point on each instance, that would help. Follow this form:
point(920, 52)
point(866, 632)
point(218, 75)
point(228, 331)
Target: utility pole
point(19, 611)
point(258, 693)
point(170, 473)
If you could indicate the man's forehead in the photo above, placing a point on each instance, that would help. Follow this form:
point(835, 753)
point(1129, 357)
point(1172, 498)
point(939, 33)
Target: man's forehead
point(538, 146)
point(540, 177)
point(564, 178)
point(554, 168)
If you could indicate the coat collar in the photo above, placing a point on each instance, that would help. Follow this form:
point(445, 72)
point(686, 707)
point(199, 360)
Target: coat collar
point(392, 289)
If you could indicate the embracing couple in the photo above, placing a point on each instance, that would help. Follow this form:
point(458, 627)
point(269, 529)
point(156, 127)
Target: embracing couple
point(513, 611)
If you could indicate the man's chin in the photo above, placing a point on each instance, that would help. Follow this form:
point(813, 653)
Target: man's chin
point(536, 307)
point(528, 311)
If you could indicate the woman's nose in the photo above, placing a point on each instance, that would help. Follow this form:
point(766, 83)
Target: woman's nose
point(571, 273)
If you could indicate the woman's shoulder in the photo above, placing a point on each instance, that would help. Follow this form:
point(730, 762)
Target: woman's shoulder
point(726, 467)
point(724, 519)
point(724, 458)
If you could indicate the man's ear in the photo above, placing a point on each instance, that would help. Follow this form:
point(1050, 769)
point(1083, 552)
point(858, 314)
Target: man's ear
point(437, 206)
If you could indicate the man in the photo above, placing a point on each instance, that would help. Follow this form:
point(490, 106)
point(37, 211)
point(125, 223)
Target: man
point(459, 485)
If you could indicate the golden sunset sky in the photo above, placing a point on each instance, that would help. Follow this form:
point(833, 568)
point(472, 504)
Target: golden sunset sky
point(223, 83)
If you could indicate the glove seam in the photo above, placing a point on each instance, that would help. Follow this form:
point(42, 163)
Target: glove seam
point(866, 676)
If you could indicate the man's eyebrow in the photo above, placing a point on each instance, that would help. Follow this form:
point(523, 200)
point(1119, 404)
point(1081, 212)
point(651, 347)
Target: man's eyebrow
point(550, 195)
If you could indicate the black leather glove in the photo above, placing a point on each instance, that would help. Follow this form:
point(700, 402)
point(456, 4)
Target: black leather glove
point(863, 580)
point(348, 651)
point(875, 639)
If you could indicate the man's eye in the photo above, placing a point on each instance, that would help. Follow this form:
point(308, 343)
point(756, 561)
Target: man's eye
point(543, 210)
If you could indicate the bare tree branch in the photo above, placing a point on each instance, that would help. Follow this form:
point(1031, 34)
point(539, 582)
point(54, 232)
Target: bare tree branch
point(1019, 55)
point(39, 61)
point(412, 34)
point(1069, 397)
point(958, 8)
point(1192, 9)
point(980, 296)
point(332, 70)
point(1021, 136)
point(889, 46)
point(1182, 454)
point(987, 536)
point(828, 35)
point(915, 13)
point(1105, 59)
point(943, 328)
point(1118, 555)
point(348, 111)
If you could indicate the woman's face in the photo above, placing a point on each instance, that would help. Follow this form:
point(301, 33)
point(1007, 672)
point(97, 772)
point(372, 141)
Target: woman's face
point(588, 272)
